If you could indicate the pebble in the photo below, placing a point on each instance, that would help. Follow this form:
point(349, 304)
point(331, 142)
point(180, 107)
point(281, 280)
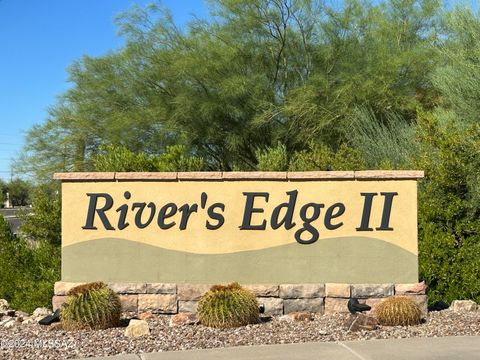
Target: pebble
point(162, 337)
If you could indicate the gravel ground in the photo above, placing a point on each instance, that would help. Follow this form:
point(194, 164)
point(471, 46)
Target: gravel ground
point(39, 342)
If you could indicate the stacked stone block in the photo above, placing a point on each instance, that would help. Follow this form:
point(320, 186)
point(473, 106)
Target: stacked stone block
point(278, 299)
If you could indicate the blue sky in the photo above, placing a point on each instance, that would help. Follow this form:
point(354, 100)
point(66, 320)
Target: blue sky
point(39, 40)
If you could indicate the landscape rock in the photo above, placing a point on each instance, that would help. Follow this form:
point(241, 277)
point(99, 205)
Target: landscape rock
point(303, 305)
point(57, 301)
point(9, 323)
point(413, 289)
point(273, 306)
point(137, 328)
point(296, 316)
point(4, 306)
point(187, 306)
point(265, 290)
point(336, 305)
point(463, 305)
point(161, 288)
point(63, 287)
point(129, 302)
point(41, 312)
point(372, 290)
point(128, 288)
point(191, 291)
point(22, 314)
point(166, 304)
point(183, 319)
point(296, 291)
point(337, 290)
point(358, 322)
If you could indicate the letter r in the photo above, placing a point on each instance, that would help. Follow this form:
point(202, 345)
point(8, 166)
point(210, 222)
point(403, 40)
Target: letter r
point(92, 208)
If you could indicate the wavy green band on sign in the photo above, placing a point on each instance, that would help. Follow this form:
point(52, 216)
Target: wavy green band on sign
point(334, 260)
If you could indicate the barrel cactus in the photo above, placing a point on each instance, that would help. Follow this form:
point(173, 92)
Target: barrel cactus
point(398, 311)
point(91, 306)
point(228, 306)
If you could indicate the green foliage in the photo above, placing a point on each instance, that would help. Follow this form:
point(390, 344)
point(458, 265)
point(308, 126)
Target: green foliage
point(315, 157)
point(19, 191)
point(392, 84)
point(384, 143)
point(91, 306)
point(5, 230)
point(398, 311)
point(176, 158)
point(43, 223)
point(256, 73)
point(449, 209)
point(228, 306)
point(272, 159)
point(27, 270)
point(457, 80)
point(119, 158)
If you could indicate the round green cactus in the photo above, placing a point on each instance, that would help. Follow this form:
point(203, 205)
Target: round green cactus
point(228, 306)
point(91, 306)
point(398, 311)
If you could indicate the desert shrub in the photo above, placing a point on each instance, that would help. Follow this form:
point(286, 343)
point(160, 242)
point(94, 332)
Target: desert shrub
point(272, 159)
point(314, 157)
point(396, 311)
point(177, 158)
point(228, 306)
point(43, 223)
point(119, 158)
point(91, 306)
point(449, 208)
point(30, 262)
point(28, 270)
point(387, 142)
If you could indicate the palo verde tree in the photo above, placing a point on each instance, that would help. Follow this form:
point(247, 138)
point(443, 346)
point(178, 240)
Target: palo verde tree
point(255, 73)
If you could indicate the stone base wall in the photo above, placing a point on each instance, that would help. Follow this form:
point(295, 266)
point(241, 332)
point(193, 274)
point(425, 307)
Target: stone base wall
point(278, 299)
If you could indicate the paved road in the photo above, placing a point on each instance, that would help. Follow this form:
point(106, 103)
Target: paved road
point(11, 216)
point(446, 348)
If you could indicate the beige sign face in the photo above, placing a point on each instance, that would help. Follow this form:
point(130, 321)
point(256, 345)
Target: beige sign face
point(247, 231)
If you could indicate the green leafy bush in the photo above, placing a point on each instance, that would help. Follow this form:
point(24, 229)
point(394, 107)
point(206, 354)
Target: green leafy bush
point(28, 270)
point(91, 306)
point(449, 209)
point(314, 157)
point(397, 311)
point(44, 221)
point(272, 159)
point(30, 262)
point(228, 306)
point(119, 158)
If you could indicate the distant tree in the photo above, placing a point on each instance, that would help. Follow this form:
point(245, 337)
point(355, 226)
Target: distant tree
point(19, 192)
